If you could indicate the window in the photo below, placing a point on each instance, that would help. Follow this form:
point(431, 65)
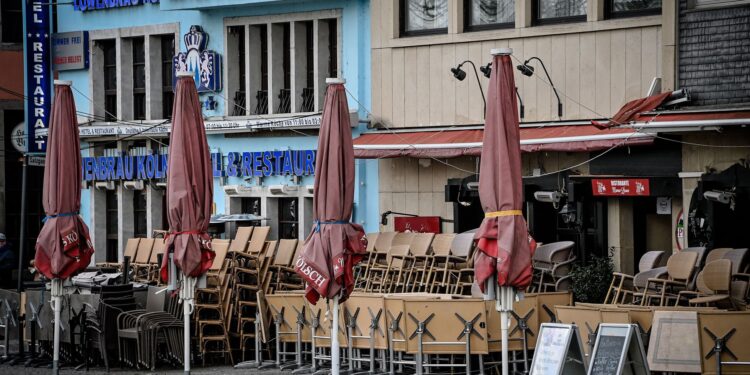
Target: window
point(288, 218)
point(632, 8)
point(423, 17)
point(139, 214)
point(250, 206)
point(333, 55)
point(167, 92)
point(277, 64)
point(489, 14)
point(559, 11)
point(11, 19)
point(110, 79)
point(111, 225)
point(139, 79)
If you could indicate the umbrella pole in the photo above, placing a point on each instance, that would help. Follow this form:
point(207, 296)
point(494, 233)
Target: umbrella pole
point(57, 306)
point(335, 352)
point(505, 303)
point(187, 294)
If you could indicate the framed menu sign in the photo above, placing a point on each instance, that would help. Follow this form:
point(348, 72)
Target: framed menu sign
point(558, 351)
point(618, 350)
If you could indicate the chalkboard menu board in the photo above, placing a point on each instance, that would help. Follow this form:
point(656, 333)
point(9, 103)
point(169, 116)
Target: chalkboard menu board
point(558, 351)
point(618, 350)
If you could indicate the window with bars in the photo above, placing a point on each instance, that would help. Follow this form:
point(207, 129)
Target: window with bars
point(167, 91)
point(288, 218)
point(109, 53)
point(489, 14)
point(139, 79)
point(631, 8)
point(111, 225)
point(423, 17)
point(559, 11)
point(139, 214)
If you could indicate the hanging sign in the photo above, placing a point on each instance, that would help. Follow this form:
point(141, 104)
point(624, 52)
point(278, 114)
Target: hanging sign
point(71, 50)
point(613, 187)
point(38, 71)
point(197, 59)
point(18, 138)
point(618, 350)
point(558, 351)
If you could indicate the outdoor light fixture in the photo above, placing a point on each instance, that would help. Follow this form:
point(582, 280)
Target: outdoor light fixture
point(486, 70)
point(528, 71)
point(460, 75)
point(520, 104)
point(724, 197)
point(384, 216)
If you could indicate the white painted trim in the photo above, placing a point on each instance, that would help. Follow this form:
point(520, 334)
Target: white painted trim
point(697, 125)
point(538, 141)
point(689, 174)
point(282, 18)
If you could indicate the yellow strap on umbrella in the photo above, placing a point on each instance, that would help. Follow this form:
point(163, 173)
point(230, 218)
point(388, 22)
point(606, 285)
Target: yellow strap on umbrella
point(503, 213)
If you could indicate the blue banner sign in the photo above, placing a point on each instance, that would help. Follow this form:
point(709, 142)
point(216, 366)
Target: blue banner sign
point(87, 5)
point(233, 164)
point(37, 48)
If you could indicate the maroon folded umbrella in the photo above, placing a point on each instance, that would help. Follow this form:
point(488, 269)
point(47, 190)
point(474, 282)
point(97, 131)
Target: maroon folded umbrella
point(503, 238)
point(63, 247)
point(335, 245)
point(189, 185)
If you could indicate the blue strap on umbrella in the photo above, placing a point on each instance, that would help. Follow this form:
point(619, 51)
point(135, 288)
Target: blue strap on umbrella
point(74, 213)
point(318, 223)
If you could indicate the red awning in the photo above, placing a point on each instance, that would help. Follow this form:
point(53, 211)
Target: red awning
point(450, 143)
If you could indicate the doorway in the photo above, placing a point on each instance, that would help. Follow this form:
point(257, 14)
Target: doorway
point(651, 230)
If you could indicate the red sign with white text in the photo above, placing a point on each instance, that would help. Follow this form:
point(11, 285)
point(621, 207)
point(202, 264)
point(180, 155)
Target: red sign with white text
point(612, 187)
point(419, 224)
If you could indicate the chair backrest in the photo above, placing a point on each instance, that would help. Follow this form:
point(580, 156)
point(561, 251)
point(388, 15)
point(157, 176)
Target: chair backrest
point(285, 252)
point(258, 240)
point(220, 248)
point(717, 275)
point(441, 244)
point(680, 266)
point(700, 250)
point(383, 242)
point(718, 253)
point(739, 258)
point(399, 251)
point(403, 238)
point(462, 244)
point(241, 239)
point(371, 238)
point(554, 252)
point(298, 251)
point(641, 278)
point(158, 249)
point(650, 260)
point(131, 248)
point(420, 245)
point(145, 245)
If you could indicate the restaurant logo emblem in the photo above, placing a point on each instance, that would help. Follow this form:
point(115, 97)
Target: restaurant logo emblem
point(203, 63)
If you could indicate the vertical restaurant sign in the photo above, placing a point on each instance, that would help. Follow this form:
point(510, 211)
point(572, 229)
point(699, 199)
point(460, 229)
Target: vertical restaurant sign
point(37, 60)
point(631, 187)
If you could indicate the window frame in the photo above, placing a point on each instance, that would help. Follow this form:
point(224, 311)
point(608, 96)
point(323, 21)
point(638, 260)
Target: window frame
point(490, 26)
point(609, 13)
point(536, 20)
point(138, 93)
point(167, 91)
point(403, 33)
point(110, 93)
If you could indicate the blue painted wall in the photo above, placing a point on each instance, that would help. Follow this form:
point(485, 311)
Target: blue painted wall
point(355, 68)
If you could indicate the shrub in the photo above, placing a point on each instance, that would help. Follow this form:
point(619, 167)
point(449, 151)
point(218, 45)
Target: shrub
point(591, 279)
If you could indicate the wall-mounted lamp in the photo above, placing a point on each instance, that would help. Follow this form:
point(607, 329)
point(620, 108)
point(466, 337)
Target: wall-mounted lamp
point(486, 70)
point(460, 75)
point(528, 71)
point(384, 216)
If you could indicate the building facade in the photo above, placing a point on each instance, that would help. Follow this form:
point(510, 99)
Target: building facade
point(599, 55)
point(260, 68)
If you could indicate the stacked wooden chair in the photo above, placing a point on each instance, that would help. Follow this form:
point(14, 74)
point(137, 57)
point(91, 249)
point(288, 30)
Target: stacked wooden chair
point(552, 263)
point(623, 285)
point(213, 307)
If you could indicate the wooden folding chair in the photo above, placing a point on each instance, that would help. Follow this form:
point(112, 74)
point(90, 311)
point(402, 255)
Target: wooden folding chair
point(141, 261)
point(421, 251)
point(441, 251)
point(282, 262)
point(680, 270)
point(240, 242)
point(452, 264)
point(622, 284)
point(131, 249)
point(153, 261)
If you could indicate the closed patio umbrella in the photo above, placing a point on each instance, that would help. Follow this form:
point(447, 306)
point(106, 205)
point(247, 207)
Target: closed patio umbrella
point(189, 198)
point(63, 247)
point(503, 264)
point(335, 244)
